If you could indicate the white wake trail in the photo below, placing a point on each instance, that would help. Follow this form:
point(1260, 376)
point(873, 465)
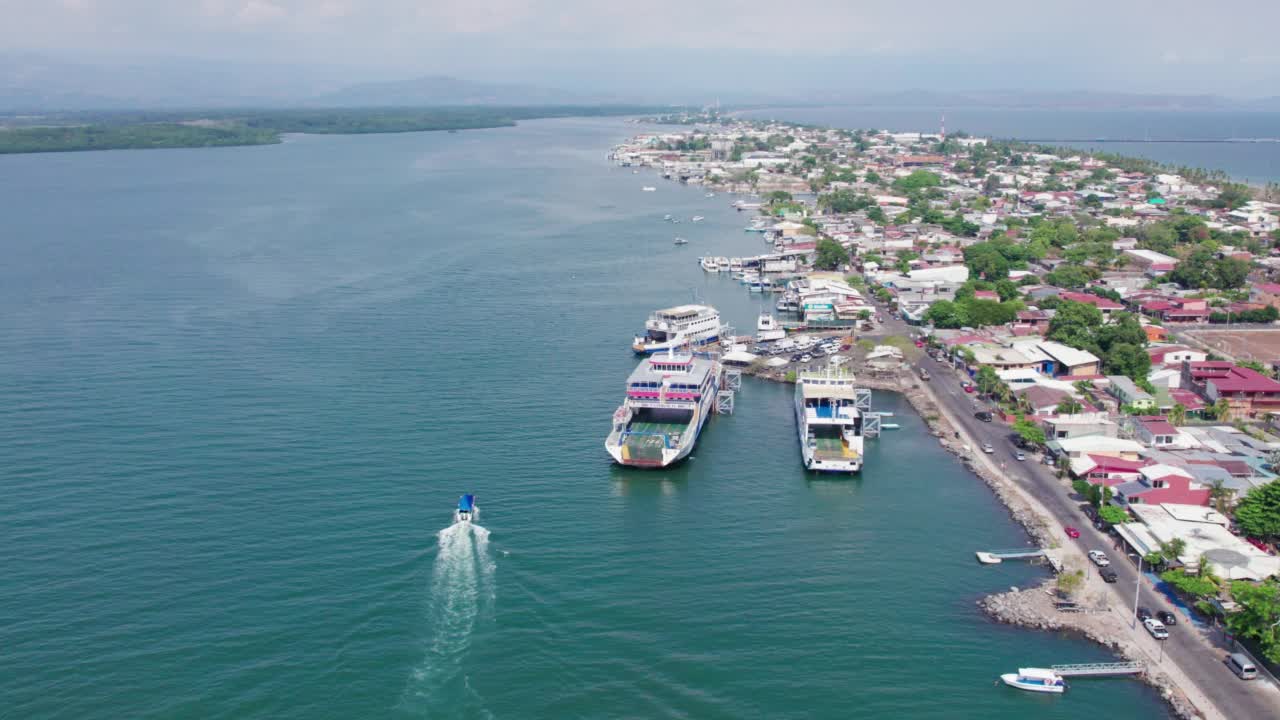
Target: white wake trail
point(461, 587)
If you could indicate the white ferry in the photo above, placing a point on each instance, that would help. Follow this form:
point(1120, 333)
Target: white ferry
point(669, 397)
point(828, 423)
point(677, 327)
point(1035, 680)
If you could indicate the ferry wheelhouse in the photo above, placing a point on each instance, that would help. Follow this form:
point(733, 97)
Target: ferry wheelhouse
point(669, 397)
point(677, 327)
point(828, 421)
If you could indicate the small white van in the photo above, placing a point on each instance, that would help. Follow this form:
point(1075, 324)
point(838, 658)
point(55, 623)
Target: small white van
point(1240, 665)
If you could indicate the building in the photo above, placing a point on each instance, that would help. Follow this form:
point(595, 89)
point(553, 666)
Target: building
point(1162, 484)
point(1248, 392)
point(1042, 400)
point(1105, 470)
point(1104, 305)
point(1206, 536)
point(1155, 431)
point(1128, 393)
point(1068, 360)
point(1174, 355)
point(1079, 425)
point(1151, 262)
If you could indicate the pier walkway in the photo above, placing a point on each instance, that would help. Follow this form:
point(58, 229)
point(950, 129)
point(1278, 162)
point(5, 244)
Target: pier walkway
point(1100, 669)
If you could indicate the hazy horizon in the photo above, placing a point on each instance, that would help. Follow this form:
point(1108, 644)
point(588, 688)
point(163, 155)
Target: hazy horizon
point(291, 50)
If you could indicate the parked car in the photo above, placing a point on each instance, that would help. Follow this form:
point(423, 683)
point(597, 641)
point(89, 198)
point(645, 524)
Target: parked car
point(983, 415)
point(1241, 666)
point(806, 358)
point(1108, 575)
point(1144, 613)
point(986, 448)
point(1019, 456)
point(1018, 441)
point(1156, 628)
point(968, 387)
point(1099, 558)
point(1072, 532)
point(1167, 617)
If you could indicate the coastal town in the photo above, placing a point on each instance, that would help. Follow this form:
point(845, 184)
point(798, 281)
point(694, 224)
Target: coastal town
point(1094, 335)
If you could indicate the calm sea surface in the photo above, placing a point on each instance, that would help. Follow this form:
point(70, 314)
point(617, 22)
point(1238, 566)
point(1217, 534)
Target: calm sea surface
point(1255, 162)
point(241, 389)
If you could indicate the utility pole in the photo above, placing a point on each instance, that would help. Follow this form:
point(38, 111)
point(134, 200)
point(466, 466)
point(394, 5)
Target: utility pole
point(1137, 585)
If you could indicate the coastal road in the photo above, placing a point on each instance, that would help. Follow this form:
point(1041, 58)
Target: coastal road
point(1199, 654)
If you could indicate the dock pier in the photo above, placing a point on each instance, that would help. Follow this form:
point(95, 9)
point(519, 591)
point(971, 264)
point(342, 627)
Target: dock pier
point(1116, 669)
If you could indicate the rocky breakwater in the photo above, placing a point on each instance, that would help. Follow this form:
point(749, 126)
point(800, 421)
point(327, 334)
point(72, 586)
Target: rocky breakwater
point(1036, 608)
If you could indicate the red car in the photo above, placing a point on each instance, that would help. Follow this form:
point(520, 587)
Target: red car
point(967, 387)
point(919, 344)
point(1072, 532)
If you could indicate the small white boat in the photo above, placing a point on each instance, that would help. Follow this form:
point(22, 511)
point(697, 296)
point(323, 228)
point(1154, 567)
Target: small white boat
point(1035, 680)
point(667, 217)
point(681, 241)
point(710, 264)
point(649, 188)
point(724, 263)
point(698, 218)
point(710, 195)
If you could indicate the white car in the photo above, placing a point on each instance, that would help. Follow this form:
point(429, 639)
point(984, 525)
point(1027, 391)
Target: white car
point(986, 448)
point(1019, 456)
point(806, 358)
point(1099, 558)
point(1156, 628)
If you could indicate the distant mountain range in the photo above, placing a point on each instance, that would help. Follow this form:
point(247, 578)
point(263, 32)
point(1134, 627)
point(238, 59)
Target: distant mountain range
point(33, 82)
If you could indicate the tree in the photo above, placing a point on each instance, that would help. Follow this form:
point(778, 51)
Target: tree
point(1069, 406)
point(1073, 324)
point(917, 181)
point(1029, 431)
point(1220, 496)
point(1069, 276)
point(1197, 586)
point(876, 215)
point(1258, 514)
point(1172, 549)
point(830, 254)
point(1128, 360)
point(987, 381)
point(1112, 515)
point(1259, 615)
point(946, 314)
point(1070, 582)
point(1178, 414)
point(986, 261)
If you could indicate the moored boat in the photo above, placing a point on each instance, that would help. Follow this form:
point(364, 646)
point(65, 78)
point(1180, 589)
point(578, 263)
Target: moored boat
point(676, 327)
point(669, 396)
point(1035, 680)
point(828, 421)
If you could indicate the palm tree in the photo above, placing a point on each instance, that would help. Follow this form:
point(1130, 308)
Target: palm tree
point(1220, 496)
point(1178, 414)
point(1221, 409)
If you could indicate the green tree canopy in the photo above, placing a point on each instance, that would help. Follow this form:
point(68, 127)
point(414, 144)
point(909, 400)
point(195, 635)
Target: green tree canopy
point(917, 181)
point(830, 254)
point(1258, 514)
point(1258, 615)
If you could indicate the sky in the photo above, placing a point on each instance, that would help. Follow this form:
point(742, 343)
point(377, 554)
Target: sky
point(730, 46)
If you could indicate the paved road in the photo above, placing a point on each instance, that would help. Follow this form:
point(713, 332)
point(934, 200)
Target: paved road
point(1200, 656)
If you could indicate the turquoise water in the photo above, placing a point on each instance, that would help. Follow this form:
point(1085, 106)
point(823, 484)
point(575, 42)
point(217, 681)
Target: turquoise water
point(243, 388)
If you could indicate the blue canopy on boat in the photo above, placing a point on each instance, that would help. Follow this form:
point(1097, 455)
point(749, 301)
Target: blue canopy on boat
point(466, 502)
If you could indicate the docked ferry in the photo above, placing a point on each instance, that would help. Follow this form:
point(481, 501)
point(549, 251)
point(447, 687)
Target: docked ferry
point(828, 421)
point(676, 327)
point(669, 396)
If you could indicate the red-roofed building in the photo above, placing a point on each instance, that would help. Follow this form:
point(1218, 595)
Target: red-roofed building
point(1187, 399)
point(1268, 293)
point(1155, 431)
point(1176, 309)
point(1037, 320)
point(1106, 306)
point(986, 295)
point(1155, 333)
point(1109, 471)
point(1247, 392)
point(1155, 487)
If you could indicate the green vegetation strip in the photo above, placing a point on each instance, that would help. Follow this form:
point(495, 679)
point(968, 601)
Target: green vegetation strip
point(141, 130)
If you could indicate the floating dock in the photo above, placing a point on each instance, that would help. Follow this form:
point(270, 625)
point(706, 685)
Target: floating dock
point(995, 557)
point(1100, 669)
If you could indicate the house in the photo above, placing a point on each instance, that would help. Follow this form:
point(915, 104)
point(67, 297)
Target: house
point(1074, 447)
point(1036, 320)
point(1105, 305)
point(1174, 355)
point(1127, 392)
point(1079, 425)
point(1042, 400)
point(1155, 333)
point(1104, 470)
point(1068, 360)
point(986, 295)
point(1162, 484)
point(1151, 262)
point(1248, 392)
point(1175, 310)
point(1155, 431)
point(1265, 293)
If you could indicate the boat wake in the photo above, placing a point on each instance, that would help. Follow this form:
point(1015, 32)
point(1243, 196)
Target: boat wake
point(462, 591)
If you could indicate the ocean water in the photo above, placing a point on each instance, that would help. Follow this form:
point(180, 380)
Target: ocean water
point(1257, 162)
point(243, 388)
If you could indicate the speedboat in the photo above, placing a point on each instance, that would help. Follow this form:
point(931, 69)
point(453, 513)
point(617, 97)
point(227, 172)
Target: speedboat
point(467, 510)
point(698, 218)
point(681, 241)
point(649, 188)
point(710, 195)
point(1035, 680)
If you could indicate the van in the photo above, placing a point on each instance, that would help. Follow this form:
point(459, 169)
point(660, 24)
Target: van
point(1241, 666)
